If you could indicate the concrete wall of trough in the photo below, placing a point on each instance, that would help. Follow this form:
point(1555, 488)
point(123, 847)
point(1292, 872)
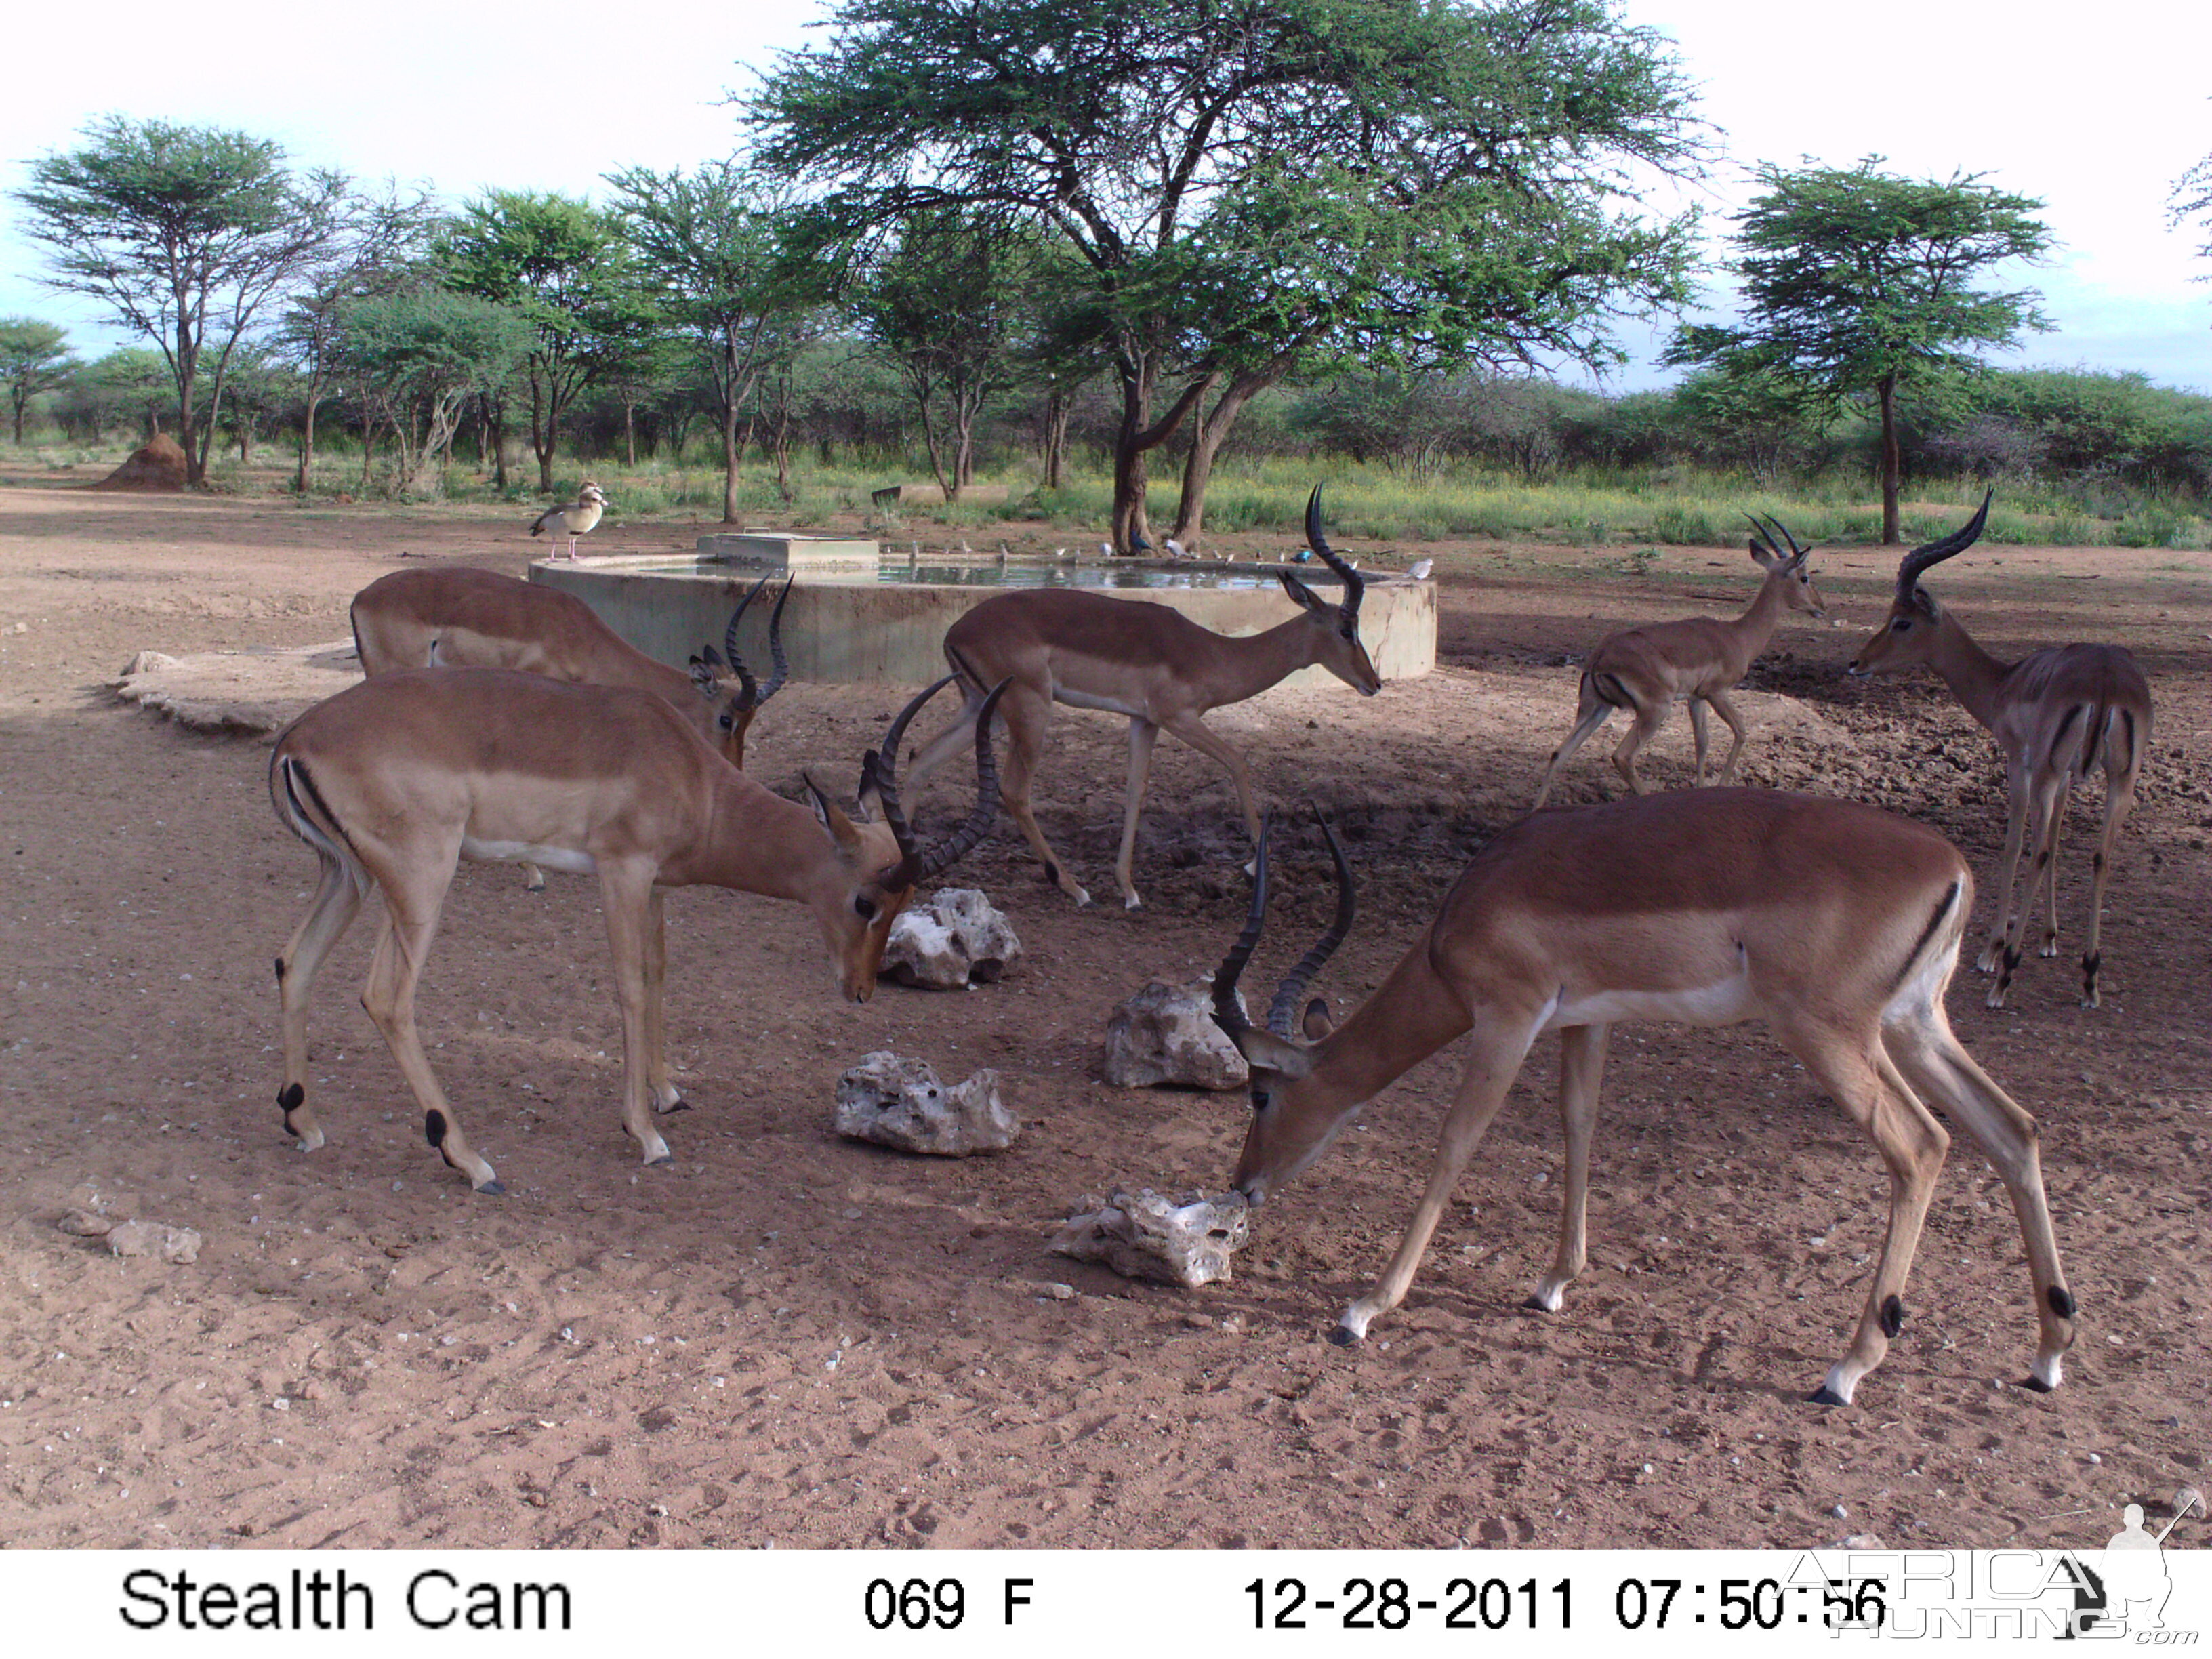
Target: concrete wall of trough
point(846, 631)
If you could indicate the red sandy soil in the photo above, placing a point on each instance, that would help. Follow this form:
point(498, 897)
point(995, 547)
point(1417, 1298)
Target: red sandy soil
point(787, 1337)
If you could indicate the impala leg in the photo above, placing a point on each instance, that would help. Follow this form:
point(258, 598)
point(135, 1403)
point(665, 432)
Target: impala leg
point(666, 1097)
point(1591, 713)
point(1201, 737)
point(1992, 956)
point(944, 745)
point(1649, 717)
point(1141, 735)
point(626, 893)
point(2062, 798)
point(338, 901)
point(2045, 802)
point(1724, 705)
point(1922, 1044)
point(1026, 713)
point(410, 922)
point(1496, 1056)
point(533, 879)
point(1912, 1144)
point(2119, 796)
point(1582, 1068)
point(1698, 743)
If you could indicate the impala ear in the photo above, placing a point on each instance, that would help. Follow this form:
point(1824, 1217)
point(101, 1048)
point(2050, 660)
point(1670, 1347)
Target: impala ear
point(706, 671)
point(1759, 556)
point(1264, 1051)
point(1317, 1024)
point(830, 816)
point(1306, 595)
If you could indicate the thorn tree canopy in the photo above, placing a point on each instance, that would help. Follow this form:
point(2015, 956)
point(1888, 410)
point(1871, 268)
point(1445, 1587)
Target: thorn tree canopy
point(35, 357)
point(1856, 282)
point(184, 234)
point(1254, 184)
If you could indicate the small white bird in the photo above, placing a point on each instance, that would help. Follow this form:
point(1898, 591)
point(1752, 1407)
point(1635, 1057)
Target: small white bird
point(572, 518)
point(1175, 549)
point(1421, 569)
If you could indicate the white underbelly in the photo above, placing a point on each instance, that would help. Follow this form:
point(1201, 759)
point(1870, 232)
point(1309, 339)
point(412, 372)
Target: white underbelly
point(1724, 1003)
point(1075, 699)
point(564, 858)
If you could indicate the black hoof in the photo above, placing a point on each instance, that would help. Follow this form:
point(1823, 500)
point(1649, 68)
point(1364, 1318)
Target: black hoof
point(1343, 1336)
point(493, 1189)
point(1535, 1302)
point(2035, 1382)
point(1824, 1396)
point(666, 1160)
point(677, 1105)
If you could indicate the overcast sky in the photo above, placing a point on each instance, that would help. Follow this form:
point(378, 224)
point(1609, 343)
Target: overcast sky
point(2095, 109)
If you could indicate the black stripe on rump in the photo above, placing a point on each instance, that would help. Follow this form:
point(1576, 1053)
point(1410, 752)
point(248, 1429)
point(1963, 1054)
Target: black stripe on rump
point(1943, 910)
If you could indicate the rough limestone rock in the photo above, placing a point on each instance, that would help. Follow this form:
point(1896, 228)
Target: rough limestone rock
point(951, 940)
point(1185, 1241)
point(80, 1222)
point(260, 689)
point(178, 1245)
point(159, 465)
point(1166, 1034)
point(900, 1102)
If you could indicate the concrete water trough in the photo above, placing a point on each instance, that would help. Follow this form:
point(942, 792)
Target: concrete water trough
point(853, 619)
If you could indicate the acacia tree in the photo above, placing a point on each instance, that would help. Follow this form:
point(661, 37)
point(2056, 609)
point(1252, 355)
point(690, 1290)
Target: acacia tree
point(946, 306)
point(35, 357)
point(184, 233)
point(418, 357)
point(713, 247)
point(562, 264)
point(1857, 284)
point(378, 248)
point(1249, 183)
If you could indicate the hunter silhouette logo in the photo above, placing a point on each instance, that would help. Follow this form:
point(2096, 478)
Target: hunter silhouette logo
point(2126, 1592)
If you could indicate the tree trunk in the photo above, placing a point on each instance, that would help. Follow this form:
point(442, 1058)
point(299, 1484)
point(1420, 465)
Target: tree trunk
point(20, 400)
point(729, 452)
point(305, 477)
point(187, 369)
point(1134, 440)
point(1205, 442)
point(1056, 437)
point(630, 433)
point(1892, 462)
point(367, 451)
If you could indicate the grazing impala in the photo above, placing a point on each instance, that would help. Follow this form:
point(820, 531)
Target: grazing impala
point(2057, 713)
point(1648, 670)
point(1837, 924)
point(395, 779)
point(1146, 661)
point(465, 618)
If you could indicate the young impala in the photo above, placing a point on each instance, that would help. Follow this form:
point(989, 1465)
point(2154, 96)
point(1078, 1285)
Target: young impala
point(1646, 670)
point(393, 781)
point(2057, 713)
point(1837, 924)
point(1146, 661)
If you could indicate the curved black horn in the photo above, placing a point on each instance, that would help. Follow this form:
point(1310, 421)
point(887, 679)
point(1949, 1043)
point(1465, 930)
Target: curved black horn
point(1918, 560)
point(1226, 1014)
point(1284, 1010)
point(779, 663)
point(1769, 527)
point(957, 845)
point(750, 687)
point(1354, 583)
point(880, 770)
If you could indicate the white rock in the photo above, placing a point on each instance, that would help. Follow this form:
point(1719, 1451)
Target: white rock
point(178, 1245)
point(1165, 1033)
point(950, 941)
point(1185, 1241)
point(900, 1102)
point(85, 1224)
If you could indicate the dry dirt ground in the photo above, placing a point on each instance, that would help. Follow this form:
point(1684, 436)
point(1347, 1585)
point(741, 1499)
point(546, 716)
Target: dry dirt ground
point(794, 1339)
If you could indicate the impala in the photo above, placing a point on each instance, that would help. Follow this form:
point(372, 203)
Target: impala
point(1837, 924)
point(2057, 713)
point(394, 781)
point(1647, 669)
point(466, 618)
point(1147, 661)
